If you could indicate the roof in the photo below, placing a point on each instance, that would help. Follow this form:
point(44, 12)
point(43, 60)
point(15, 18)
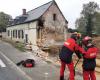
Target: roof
point(37, 12)
point(32, 15)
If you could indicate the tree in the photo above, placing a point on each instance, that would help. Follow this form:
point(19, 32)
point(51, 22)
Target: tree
point(80, 24)
point(86, 21)
point(4, 21)
point(97, 23)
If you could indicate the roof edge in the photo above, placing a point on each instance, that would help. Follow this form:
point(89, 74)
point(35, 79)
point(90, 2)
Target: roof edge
point(40, 6)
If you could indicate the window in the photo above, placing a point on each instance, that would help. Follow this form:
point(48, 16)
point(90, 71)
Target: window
point(13, 33)
point(54, 17)
point(26, 38)
point(18, 33)
point(8, 33)
point(22, 34)
point(40, 22)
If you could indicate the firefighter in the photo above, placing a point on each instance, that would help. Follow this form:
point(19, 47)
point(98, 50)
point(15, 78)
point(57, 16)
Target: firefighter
point(89, 59)
point(69, 47)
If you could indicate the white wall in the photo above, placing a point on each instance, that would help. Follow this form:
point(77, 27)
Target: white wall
point(17, 27)
point(32, 36)
point(31, 31)
point(28, 28)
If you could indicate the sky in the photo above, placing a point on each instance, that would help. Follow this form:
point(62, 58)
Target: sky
point(71, 9)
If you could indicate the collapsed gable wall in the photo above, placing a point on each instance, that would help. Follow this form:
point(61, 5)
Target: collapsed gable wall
point(53, 30)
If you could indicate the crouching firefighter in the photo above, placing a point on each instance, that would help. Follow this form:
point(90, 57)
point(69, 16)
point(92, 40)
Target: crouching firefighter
point(69, 47)
point(89, 59)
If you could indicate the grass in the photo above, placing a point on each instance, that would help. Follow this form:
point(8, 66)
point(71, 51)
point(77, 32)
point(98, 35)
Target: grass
point(18, 45)
point(49, 62)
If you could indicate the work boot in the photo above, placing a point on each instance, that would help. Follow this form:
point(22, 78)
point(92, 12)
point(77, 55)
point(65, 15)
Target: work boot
point(61, 77)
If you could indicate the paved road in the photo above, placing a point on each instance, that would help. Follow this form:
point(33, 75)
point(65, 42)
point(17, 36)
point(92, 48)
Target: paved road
point(36, 73)
point(10, 72)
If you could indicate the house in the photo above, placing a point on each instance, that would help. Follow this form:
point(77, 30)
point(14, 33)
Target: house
point(42, 26)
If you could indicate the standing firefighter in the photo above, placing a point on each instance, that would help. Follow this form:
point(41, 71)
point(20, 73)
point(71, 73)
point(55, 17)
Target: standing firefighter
point(89, 59)
point(70, 46)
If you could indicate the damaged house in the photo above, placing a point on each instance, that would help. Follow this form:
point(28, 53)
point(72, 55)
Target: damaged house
point(42, 26)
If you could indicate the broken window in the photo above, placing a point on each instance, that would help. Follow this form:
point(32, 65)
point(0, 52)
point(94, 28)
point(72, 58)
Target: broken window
point(40, 22)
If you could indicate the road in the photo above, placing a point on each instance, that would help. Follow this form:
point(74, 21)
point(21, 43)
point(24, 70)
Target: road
point(39, 72)
point(10, 72)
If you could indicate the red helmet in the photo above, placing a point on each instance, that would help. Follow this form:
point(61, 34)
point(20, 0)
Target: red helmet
point(86, 40)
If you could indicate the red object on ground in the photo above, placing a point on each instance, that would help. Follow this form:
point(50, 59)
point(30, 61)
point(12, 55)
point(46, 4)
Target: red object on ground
point(28, 65)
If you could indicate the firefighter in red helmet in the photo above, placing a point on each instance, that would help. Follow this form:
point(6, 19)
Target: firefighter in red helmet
point(69, 47)
point(89, 59)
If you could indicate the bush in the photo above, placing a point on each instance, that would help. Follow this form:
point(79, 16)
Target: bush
point(20, 46)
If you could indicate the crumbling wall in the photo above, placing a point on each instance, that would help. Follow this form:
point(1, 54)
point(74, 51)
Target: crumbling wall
point(52, 31)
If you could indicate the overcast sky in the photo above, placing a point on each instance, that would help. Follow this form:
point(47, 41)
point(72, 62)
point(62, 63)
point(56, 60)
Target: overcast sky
point(70, 8)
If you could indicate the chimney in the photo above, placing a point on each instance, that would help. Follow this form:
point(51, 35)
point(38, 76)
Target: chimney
point(24, 11)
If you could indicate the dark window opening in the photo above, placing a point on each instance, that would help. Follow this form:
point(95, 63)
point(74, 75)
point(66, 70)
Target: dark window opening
point(16, 33)
point(40, 23)
point(54, 17)
point(22, 34)
point(13, 33)
point(26, 38)
point(8, 33)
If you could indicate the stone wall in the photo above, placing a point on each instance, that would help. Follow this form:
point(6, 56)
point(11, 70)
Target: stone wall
point(53, 31)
